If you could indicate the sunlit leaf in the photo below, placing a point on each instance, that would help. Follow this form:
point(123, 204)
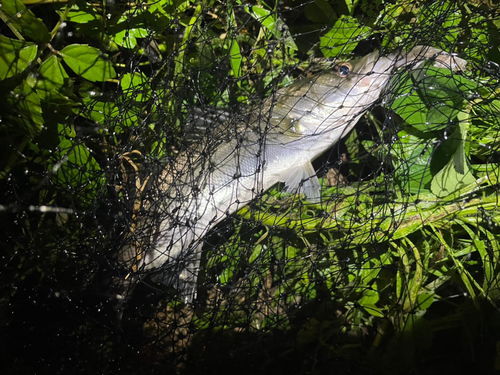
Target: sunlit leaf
point(88, 62)
point(15, 56)
point(457, 172)
point(236, 58)
point(411, 157)
point(412, 110)
point(343, 37)
point(136, 86)
point(273, 23)
point(128, 37)
point(52, 75)
point(30, 109)
point(81, 15)
point(24, 21)
point(76, 168)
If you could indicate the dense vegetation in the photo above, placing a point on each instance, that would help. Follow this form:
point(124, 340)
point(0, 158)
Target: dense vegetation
point(396, 271)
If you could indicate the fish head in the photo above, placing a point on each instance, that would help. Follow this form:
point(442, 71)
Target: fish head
point(332, 102)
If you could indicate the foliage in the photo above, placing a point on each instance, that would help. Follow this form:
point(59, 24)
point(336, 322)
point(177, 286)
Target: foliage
point(93, 91)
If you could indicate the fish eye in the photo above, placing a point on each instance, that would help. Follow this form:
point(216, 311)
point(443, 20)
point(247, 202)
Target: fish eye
point(342, 69)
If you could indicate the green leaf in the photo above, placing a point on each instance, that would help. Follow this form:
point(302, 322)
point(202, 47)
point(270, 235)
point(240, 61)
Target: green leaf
point(439, 116)
point(136, 86)
point(457, 173)
point(225, 276)
point(370, 296)
point(169, 8)
point(320, 12)
point(448, 26)
point(88, 62)
point(179, 61)
point(411, 156)
point(75, 167)
point(343, 37)
point(488, 266)
point(373, 310)
point(451, 25)
point(438, 90)
point(257, 250)
point(77, 15)
point(24, 21)
point(273, 23)
point(351, 5)
point(443, 93)
point(51, 76)
point(235, 55)
point(127, 38)
point(31, 109)
point(15, 56)
point(100, 112)
point(411, 109)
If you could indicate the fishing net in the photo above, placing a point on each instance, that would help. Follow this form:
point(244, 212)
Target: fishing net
point(142, 231)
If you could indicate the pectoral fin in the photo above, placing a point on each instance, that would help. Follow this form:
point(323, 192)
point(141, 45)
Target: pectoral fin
point(302, 179)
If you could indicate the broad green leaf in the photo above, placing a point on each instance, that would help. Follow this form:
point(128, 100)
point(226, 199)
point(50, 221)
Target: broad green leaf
point(88, 62)
point(370, 296)
point(457, 173)
point(78, 170)
point(110, 116)
point(439, 116)
point(126, 120)
point(100, 112)
point(78, 15)
point(24, 21)
point(343, 37)
point(438, 90)
point(442, 90)
point(127, 38)
point(136, 86)
point(15, 56)
point(477, 25)
point(291, 252)
point(51, 76)
point(411, 109)
point(31, 110)
point(437, 100)
point(411, 157)
point(435, 84)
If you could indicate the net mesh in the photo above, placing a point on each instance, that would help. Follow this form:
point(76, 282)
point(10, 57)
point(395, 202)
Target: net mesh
point(150, 222)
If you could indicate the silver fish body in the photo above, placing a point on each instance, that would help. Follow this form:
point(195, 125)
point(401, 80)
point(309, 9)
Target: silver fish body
point(294, 127)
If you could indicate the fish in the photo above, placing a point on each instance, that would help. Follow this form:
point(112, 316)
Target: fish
point(241, 159)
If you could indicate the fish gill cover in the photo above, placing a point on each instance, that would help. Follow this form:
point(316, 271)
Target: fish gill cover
point(160, 212)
